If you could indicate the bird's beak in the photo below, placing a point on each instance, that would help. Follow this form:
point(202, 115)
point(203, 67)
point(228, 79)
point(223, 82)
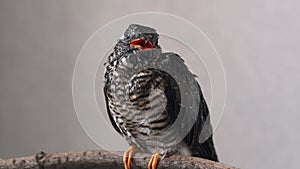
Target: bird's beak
point(141, 44)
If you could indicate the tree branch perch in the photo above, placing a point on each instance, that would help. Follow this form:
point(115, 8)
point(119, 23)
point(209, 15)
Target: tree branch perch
point(104, 159)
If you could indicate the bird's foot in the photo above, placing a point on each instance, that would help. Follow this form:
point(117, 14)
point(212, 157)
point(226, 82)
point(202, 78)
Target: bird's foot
point(127, 157)
point(153, 161)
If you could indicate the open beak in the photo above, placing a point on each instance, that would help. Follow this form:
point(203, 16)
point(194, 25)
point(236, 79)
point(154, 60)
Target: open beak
point(141, 44)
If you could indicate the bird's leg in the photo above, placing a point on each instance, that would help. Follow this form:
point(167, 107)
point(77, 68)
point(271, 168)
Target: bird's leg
point(127, 157)
point(153, 161)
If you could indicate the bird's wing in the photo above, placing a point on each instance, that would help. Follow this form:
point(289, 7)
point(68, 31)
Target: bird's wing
point(108, 111)
point(205, 149)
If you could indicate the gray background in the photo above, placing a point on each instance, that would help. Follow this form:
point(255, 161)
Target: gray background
point(258, 42)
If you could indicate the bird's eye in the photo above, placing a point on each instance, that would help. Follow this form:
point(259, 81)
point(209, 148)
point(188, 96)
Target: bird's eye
point(141, 44)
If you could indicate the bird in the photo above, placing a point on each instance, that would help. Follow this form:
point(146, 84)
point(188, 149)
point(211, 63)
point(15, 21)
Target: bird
point(145, 90)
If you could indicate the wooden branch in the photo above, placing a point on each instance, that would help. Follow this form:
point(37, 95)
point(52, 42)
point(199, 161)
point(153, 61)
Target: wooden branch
point(104, 159)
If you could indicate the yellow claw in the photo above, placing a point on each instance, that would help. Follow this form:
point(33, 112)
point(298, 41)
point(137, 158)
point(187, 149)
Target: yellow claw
point(153, 161)
point(127, 157)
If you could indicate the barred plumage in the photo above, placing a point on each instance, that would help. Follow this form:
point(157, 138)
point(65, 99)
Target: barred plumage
point(143, 100)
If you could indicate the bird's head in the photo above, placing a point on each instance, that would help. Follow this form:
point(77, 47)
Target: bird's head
point(137, 37)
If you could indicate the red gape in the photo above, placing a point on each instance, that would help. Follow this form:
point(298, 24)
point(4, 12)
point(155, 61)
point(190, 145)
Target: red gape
point(141, 44)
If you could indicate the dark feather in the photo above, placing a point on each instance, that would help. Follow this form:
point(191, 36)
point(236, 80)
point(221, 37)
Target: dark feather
point(109, 113)
point(205, 149)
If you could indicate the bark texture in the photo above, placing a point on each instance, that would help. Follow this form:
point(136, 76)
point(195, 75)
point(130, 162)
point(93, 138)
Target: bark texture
point(104, 159)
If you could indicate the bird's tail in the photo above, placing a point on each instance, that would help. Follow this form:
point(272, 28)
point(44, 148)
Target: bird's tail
point(205, 150)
